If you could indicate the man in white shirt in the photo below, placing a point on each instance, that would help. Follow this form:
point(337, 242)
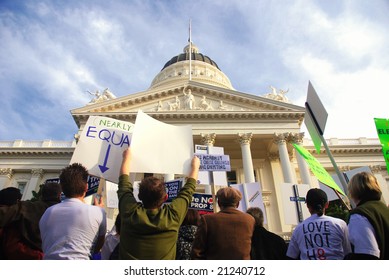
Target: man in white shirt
point(73, 229)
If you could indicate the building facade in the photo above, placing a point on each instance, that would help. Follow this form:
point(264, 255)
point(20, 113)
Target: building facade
point(257, 132)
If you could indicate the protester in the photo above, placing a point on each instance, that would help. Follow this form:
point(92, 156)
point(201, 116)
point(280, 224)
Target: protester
point(21, 224)
point(226, 234)
point(9, 196)
point(149, 230)
point(73, 229)
point(265, 245)
point(319, 237)
point(369, 222)
point(186, 234)
point(112, 240)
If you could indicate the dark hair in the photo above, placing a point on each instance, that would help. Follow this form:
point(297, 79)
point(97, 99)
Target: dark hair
point(257, 213)
point(152, 192)
point(192, 217)
point(316, 199)
point(10, 196)
point(51, 192)
point(73, 180)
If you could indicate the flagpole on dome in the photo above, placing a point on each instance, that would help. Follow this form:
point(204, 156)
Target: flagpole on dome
point(190, 49)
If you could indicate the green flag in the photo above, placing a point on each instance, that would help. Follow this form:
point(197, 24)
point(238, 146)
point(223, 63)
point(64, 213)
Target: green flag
point(382, 126)
point(318, 170)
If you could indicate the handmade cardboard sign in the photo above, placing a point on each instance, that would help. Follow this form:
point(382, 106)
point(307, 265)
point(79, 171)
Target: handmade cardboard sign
point(160, 148)
point(317, 169)
point(101, 146)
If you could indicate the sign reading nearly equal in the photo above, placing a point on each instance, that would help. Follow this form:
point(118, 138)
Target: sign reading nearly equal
point(101, 145)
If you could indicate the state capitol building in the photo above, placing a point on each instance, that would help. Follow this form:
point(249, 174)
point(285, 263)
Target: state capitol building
point(257, 132)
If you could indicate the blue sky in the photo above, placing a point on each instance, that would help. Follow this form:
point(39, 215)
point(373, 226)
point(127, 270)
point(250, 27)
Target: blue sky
point(52, 52)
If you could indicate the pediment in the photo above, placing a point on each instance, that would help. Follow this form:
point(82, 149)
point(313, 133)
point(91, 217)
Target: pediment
point(189, 99)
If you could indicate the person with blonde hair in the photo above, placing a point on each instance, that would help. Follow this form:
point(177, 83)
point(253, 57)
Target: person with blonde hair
point(369, 220)
point(227, 234)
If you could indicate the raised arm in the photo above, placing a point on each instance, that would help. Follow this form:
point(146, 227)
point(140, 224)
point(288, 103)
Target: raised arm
point(125, 167)
point(194, 173)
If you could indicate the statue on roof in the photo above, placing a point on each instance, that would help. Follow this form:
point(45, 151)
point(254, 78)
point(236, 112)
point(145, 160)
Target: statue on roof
point(204, 105)
point(189, 99)
point(99, 97)
point(279, 96)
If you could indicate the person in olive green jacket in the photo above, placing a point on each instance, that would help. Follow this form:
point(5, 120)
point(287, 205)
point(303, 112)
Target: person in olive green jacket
point(149, 230)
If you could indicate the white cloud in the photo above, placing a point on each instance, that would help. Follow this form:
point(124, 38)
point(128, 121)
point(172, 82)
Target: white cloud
point(51, 53)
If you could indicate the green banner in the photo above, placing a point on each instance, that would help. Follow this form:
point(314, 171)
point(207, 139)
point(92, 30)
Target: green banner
point(382, 126)
point(317, 169)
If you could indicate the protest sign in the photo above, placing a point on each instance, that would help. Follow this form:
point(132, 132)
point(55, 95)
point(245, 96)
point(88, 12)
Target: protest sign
point(293, 203)
point(172, 188)
point(101, 145)
point(93, 184)
point(204, 177)
point(160, 148)
point(112, 196)
point(318, 170)
point(214, 162)
point(202, 202)
point(251, 197)
point(219, 177)
point(382, 126)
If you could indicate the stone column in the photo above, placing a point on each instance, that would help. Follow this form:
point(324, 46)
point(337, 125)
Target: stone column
point(33, 183)
point(5, 177)
point(245, 141)
point(280, 139)
point(303, 167)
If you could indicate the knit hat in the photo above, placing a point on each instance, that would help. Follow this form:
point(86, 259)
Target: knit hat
point(316, 198)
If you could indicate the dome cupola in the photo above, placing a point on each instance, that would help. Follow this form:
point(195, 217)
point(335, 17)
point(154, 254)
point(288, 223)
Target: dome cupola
point(203, 69)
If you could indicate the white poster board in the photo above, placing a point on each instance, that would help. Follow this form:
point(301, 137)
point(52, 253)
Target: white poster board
point(111, 193)
point(290, 204)
point(331, 195)
point(160, 148)
point(251, 197)
point(101, 146)
point(219, 177)
point(204, 176)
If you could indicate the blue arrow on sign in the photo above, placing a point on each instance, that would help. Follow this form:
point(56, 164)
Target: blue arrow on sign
point(104, 167)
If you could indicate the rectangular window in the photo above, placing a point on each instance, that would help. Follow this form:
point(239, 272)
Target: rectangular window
point(231, 177)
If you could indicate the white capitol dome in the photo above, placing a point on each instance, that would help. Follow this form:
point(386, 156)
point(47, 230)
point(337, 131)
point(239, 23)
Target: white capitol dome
point(204, 70)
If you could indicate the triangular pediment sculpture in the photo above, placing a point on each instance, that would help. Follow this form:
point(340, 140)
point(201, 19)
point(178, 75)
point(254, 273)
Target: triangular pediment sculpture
point(191, 97)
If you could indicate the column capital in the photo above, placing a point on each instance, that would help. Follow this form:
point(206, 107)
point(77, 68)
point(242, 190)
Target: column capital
point(38, 172)
point(296, 137)
point(208, 139)
point(245, 138)
point(280, 138)
point(7, 172)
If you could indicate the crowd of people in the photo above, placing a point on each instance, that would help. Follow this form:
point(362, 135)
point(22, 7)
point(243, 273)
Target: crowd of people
point(154, 230)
